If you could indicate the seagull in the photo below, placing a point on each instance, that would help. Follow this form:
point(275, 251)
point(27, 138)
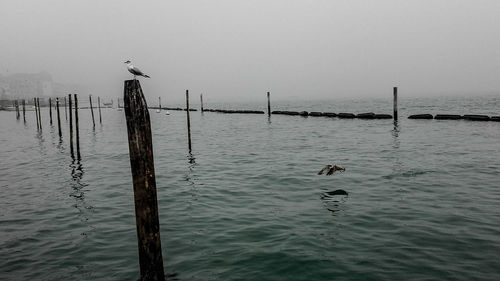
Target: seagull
point(134, 70)
point(330, 169)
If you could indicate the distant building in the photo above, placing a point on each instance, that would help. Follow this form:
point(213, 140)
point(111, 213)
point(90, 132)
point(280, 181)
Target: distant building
point(30, 85)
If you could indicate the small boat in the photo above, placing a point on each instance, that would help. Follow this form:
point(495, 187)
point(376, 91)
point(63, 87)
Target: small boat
point(158, 111)
point(167, 113)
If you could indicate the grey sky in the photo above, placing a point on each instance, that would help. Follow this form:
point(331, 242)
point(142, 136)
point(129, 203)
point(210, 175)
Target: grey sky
point(241, 49)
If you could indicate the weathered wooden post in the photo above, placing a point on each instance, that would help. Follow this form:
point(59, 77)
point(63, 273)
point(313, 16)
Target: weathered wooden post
point(71, 126)
point(201, 101)
point(65, 109)
point(188, 121)
point(78, 156)
point(159, 103)
point(92, 110)
point(50, 110)
point(268, 105)
point(24, 110)
point(18, 115)
point(144, 182)
point(395, 105)
point(58, 118)
point(36, 115)
point(99, 105)
point(39, 114)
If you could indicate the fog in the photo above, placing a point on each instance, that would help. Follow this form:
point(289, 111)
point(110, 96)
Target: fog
point(233, 50)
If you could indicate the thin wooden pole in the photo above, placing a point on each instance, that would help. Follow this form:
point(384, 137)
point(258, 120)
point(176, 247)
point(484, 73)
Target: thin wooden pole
point(18, 115)
point(78, 156)
point(58, 118)
point(92, 110)
point(159, 102)
point(395, 105)
point(71, 126)
point(144, 182)
point(24, 110)
point(201, 101)
point(39, 114)
point(188, 120)
point(36, 115)
point(99, 105)
point(50, 110)
point(65, 109)
point(268, 104)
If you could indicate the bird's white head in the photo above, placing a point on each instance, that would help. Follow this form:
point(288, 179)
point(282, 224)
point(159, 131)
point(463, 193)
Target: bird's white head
point(127, 62)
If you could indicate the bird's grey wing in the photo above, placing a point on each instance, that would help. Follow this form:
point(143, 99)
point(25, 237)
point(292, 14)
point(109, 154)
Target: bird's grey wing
point(324, 170)
point(136, 71)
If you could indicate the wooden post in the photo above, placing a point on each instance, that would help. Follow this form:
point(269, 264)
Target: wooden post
point(201, 101)
point(58, 118)
point(99, 105)
point(144, 182)
point(36, 115)
point(159, 102)
point(268, 105)
point(65, 109)
point(18, 115)
point(395, 105)
point(24, 110)
point(39, 114)
point(188, 121)
point(50, 110)
point(92, 110)
point(78, 156)
point(71, 126)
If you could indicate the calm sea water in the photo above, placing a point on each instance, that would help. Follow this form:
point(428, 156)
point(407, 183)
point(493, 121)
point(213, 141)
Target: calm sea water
point(423, 203)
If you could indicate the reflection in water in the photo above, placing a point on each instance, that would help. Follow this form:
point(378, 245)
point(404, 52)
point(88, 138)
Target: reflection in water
point(333, 200)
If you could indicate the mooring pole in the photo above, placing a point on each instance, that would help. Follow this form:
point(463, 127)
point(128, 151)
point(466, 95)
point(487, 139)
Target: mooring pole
point(395, 105)
point(50, 110)
point(58, 118)
point(159, 102)
point(78, 156)
point(188, 121)
point(268, 104)
point(99, 105)
point(24, 110)
point(65, 109)
point(39, 114)
point(36, 115)
point(92, 110)
point(144, 182)
point(18, 115)
point(71, 127)
point(201, 101)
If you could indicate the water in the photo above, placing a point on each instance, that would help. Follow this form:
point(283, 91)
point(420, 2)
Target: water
point(248, 203)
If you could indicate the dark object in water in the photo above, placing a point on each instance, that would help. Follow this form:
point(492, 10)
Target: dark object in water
point(345, 115)
point(476, 117)
point(382, 116)
point(369, 115)
point(316, 114)
point(495, 118)
point(330, 169)
point(447, 117)
point(420, 116)
point(329, 114)
point(304, 113)
point(336, 192)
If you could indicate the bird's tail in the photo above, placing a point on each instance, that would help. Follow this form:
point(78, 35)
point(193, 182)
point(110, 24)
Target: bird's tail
point(147, 76)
